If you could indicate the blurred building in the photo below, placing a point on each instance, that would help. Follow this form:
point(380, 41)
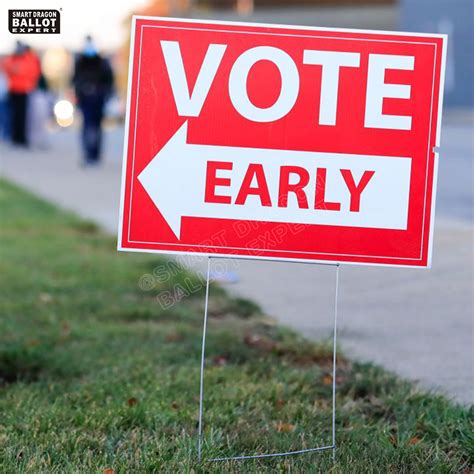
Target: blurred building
point(283, 3)
point(248, 6)
point(456, 19)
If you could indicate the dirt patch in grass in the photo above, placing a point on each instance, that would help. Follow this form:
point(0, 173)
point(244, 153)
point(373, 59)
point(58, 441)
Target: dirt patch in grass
point(85, 227)
point(21, 364)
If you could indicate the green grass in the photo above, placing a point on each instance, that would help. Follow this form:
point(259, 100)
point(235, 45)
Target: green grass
point(95, 374)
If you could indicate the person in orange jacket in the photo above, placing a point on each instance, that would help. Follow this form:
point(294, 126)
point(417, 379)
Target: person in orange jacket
point(23, 71)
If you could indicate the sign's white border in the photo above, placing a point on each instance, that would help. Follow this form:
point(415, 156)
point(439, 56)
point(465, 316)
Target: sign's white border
point(259, 257)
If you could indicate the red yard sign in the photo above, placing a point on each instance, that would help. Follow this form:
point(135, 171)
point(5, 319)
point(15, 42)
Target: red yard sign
point(281, 142)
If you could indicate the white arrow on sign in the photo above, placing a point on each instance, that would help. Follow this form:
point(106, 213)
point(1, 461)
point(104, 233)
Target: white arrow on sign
point(175, 180)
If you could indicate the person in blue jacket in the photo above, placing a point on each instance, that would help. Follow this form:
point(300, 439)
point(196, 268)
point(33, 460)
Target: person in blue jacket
point(93, 84)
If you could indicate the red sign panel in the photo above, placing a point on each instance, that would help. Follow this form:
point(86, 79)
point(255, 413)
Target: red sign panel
point(281, 142)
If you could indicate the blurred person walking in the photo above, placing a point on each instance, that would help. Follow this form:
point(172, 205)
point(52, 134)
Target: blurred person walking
point(23, 71)
point(4, 112)
point(93, 83)
point(39, 111)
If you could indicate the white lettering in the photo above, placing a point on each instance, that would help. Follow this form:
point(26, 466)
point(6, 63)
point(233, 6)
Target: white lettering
point(290, 84)
point(190, 104)
point(378, 90)
point(331, 61)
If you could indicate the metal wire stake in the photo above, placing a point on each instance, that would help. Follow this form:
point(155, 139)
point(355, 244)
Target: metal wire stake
point(201, 393)
point(203, 351)
point(334, 368)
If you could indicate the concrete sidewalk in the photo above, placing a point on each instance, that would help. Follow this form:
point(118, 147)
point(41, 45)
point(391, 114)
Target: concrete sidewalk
point(418, 323)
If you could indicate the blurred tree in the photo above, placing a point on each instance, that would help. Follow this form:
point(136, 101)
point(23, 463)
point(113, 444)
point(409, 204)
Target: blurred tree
point(153, 8)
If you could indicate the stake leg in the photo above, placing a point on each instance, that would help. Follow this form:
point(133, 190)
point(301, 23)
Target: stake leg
point(334, 357)
point(203, 354)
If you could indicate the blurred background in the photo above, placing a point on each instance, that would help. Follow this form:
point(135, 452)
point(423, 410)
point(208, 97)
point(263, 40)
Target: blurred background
point(62, 106)
point(110, 27)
